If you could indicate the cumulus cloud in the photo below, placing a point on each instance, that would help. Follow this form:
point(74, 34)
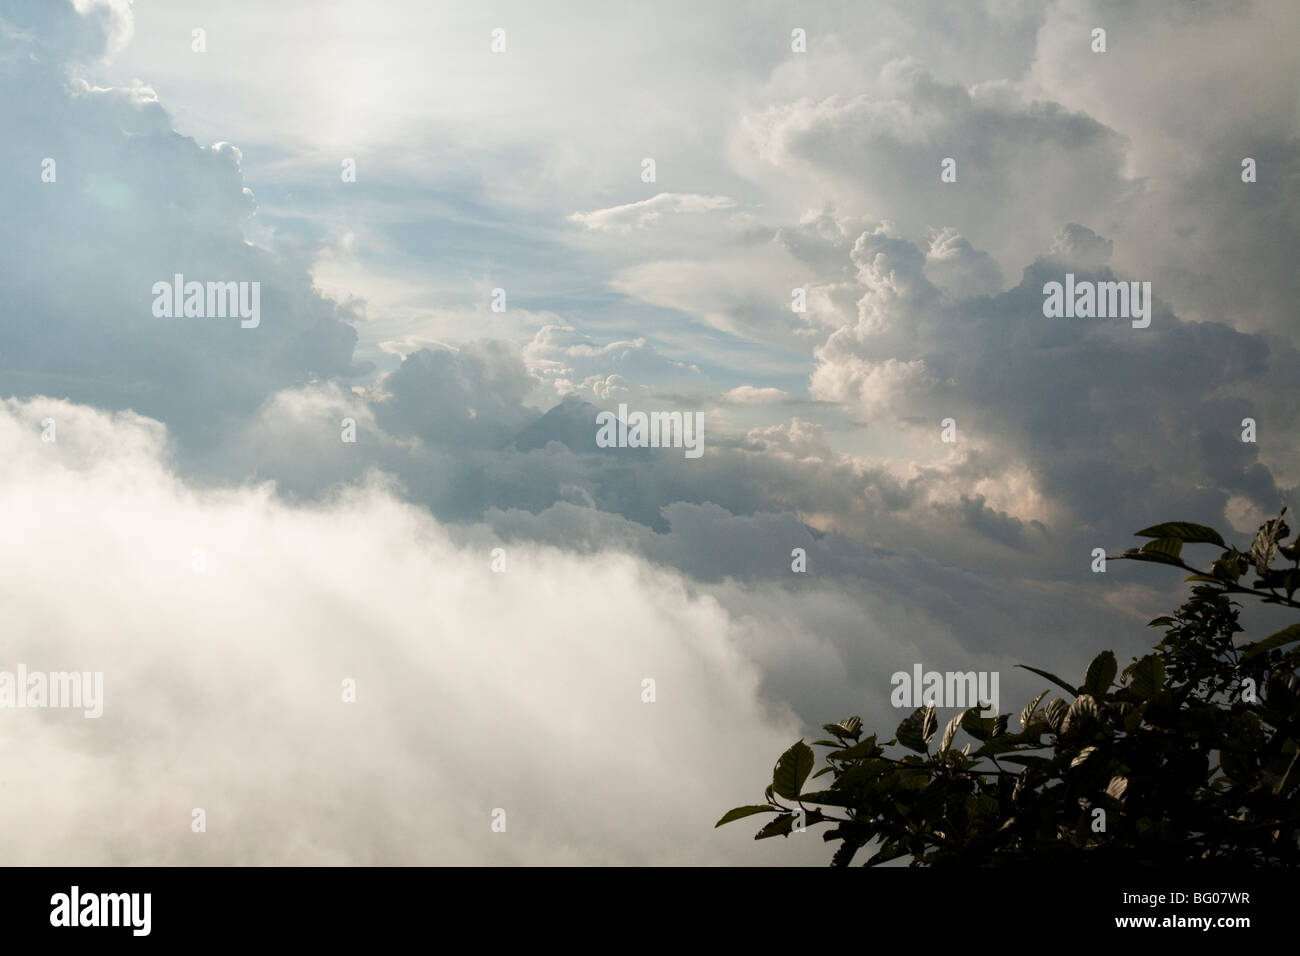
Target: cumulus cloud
point(958, 269)
point(800, 438)
point(1108, 419)
point(130, 203)
point(470, 396)
point(1079, 247)
point(882, 151)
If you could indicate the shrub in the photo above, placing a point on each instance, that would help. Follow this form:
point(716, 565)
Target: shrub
point(1191, 756)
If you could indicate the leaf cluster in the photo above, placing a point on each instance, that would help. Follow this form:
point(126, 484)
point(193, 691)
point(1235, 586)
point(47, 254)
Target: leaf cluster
point(1190, 753)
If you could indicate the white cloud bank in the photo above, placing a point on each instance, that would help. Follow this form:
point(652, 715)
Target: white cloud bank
point(475, 690)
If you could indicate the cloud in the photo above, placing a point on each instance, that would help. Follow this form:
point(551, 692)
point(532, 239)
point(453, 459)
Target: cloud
point(132, 203)
point(958, 269)
point(749, 395)
point(649, 212)
point(573, 362)
point(923, 302)
point(1078, 247)
point(800, 439)
point(879, 153)
point(1106, 418)
point(223, 687)
point(1215, 247)
point(470, 396)
point(69, 31)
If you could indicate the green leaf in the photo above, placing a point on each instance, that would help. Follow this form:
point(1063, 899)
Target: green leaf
point(848, 727)
point(1164, 621)
point(792, 770)
point(1117, 787)
point(1052, 677)
point(1229, 567)
point(781, 826)
point(1183, 531)
point(1083, 708)
point(1170, 546)
point(863, 748)
point(1288, 635)
point(1101, 672)
point(844, 854)
point(863, 773)
point(950, 732)
point(1027, 714)
point(999, 745)
point(911, 732)
point(1055, 713)
point(980, 728)
point(1154, 556)
point(1082, 756)
point(1147, 676)
point(886, 853)
point(741, 812)
point(831, 798)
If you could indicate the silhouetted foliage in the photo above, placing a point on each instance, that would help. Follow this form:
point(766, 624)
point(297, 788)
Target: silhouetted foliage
point(1191, 756)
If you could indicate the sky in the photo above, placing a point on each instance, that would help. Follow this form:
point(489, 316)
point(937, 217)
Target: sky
point(463, 252)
